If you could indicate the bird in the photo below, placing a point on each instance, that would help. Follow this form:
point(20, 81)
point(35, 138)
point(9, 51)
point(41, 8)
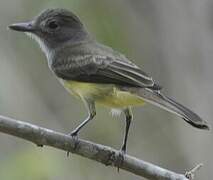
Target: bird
point(96, 73)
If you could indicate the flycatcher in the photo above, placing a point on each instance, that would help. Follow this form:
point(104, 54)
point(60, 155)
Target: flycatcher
point(95, 73)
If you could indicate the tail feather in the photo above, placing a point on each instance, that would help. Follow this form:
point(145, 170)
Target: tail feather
point(157, 98)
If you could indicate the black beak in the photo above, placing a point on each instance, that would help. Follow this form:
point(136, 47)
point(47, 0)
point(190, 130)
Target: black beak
point(22, 27)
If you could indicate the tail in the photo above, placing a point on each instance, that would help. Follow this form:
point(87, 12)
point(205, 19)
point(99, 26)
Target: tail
point(164, 102)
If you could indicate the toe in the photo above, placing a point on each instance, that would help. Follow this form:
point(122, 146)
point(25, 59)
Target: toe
point(74, 135)
point(120, 159)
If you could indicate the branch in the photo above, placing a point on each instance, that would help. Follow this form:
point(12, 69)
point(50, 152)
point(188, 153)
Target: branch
point(105, 155)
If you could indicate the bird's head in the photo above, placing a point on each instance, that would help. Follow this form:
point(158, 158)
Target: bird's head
point(52, 28)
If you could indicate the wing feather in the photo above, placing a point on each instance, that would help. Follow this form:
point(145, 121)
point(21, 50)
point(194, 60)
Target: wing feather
point(104, 69)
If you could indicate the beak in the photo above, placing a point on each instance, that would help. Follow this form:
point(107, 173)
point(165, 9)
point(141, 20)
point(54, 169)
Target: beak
point(22, 27)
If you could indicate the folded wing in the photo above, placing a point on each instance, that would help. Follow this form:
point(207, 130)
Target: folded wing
point(103, 69)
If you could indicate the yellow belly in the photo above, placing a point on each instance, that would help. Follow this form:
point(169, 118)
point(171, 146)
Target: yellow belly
point(105, 94)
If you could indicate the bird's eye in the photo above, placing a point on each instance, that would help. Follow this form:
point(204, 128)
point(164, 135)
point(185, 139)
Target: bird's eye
point(53, 25)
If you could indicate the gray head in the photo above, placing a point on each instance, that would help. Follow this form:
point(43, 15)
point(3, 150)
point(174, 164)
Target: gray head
point(53, 27)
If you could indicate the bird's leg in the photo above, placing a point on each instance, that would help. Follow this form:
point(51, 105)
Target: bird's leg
point(129, 116)
point(91, 114)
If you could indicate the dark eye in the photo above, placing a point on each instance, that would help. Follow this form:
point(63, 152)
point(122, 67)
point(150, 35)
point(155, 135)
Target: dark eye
point(53, 25)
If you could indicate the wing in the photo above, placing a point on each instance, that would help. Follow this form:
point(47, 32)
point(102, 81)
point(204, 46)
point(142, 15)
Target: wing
point(105, 70)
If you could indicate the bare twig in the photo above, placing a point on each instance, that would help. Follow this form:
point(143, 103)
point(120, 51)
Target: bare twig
point(106, 155)
point(190, 174)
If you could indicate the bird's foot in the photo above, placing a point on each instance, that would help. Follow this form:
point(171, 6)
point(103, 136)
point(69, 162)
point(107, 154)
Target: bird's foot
point(74, 135)
point(120, 159)
point(40, 145)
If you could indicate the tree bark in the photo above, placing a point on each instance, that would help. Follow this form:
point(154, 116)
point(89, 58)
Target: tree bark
point(97, 152)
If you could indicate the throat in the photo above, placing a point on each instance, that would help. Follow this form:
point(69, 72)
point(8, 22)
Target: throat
point(41, 43)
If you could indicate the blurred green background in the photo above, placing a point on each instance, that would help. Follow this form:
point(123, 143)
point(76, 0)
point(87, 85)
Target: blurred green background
point(171, 40)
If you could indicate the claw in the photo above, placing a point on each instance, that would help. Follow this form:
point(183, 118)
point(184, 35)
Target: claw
point(74, 135)
point(120, 159)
